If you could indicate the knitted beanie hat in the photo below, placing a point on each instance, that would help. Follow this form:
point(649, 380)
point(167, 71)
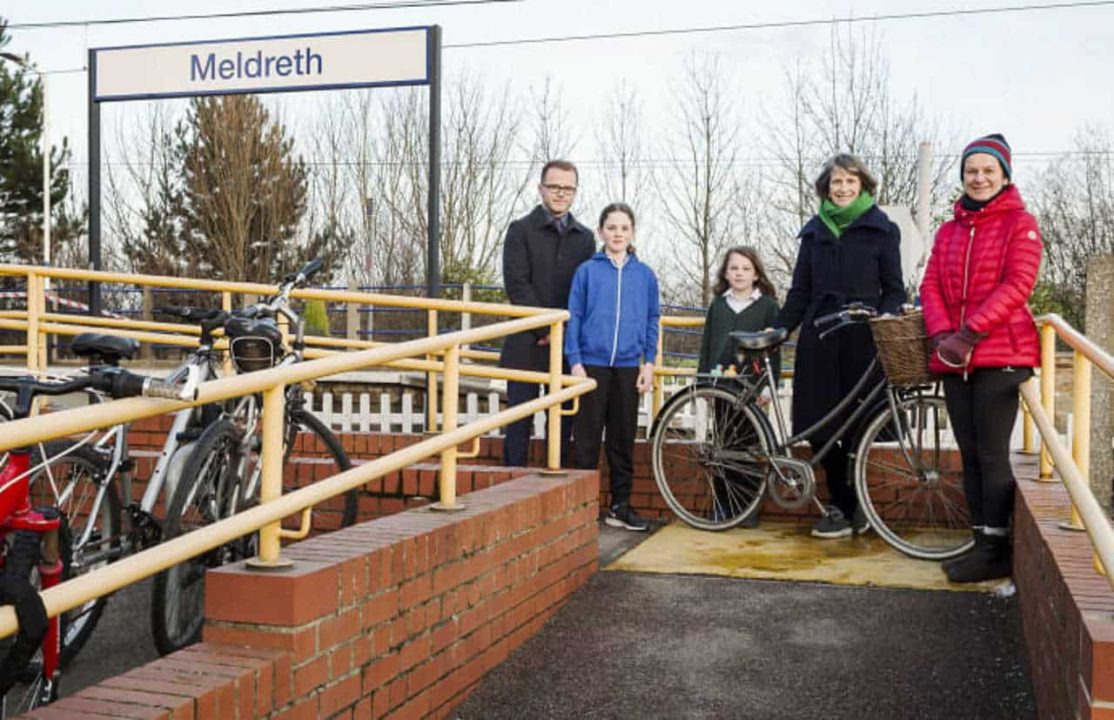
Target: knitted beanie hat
point(994, 144)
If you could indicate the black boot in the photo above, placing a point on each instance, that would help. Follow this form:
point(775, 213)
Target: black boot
point(989, 560)
point(958, 559)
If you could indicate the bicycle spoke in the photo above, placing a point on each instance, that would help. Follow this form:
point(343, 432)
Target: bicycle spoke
point(903, 476)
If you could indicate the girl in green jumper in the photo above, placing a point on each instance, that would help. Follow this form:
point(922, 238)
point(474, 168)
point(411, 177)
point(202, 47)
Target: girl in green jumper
point(745, 300)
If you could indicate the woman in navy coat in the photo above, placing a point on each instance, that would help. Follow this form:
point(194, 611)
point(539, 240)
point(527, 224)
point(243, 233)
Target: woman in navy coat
point(849, 252)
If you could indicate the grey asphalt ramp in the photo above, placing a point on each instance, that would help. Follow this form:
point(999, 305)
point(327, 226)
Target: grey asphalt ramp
point(633, 645)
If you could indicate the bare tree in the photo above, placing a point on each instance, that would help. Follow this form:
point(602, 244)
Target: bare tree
point(373, 183)
point(551, 135)
point(698, 188)
point(1075, 206)
point(620, 145)
point(845, 103)
point(143, 208)
point(481, 190)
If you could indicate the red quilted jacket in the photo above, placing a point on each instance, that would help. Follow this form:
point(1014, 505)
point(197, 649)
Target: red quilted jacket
point(981, 272)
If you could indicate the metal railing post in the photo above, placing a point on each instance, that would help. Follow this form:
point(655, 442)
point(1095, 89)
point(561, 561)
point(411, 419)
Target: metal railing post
point(226, 305)
point(1027, 438)
point(1048, 393)
point(553, 439)
point(33, 288)
point(450, 405)
point(431, 377)
point(270, 487)
point(466, 317)
point(40, 306)
point(352, 314)
point(659, 391)
point(147, 351)
point(1081, 427)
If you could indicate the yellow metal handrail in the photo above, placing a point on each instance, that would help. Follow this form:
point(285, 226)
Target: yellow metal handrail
point(268, 515)
point(1074, 467)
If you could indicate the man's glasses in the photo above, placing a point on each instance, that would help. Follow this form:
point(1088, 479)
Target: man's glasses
point(560, 189)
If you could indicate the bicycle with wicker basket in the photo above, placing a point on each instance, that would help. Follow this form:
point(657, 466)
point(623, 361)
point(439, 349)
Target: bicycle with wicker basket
point(716, 455)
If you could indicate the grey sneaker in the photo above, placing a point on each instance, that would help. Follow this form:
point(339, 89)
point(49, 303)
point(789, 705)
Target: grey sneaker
point(623, 515)
point(833, 525)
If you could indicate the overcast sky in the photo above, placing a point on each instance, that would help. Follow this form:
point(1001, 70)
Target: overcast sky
point(1039, 77)
point(1036, 76)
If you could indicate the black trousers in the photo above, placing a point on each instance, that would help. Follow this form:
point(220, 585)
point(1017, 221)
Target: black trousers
point(613, 406)
point(983, 409)
point(842, 495)
point(516, 442)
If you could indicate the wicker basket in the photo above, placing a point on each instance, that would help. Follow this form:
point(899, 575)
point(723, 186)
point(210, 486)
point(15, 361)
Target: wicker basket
point(902, 347)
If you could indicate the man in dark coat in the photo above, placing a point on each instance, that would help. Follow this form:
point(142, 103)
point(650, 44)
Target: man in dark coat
point(540, 255)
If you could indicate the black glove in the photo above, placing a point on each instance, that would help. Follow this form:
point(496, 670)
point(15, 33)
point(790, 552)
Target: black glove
point(955, 349)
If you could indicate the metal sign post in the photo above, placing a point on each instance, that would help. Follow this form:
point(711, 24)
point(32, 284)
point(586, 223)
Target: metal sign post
point(289, 63)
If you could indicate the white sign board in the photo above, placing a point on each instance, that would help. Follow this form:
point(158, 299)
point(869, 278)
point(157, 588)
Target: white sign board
point(258, 65)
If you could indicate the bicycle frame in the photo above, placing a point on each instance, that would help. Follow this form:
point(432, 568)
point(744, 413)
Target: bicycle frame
point(115, 441)
point(16, 513)
point(867, 405)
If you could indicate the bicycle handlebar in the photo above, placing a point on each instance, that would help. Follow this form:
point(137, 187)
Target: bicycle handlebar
point(309, 269)
point(115, 381)
point(852, 313)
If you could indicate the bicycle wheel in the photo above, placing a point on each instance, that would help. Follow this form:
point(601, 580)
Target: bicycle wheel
point(314, 453)
point(909, 479)
point(71, 483)
point(710, 457)
point(208, 490)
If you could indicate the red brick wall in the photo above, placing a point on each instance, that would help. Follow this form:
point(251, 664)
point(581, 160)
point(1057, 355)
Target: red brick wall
point(1067, 609)
point(416, 486)
point(397, 617)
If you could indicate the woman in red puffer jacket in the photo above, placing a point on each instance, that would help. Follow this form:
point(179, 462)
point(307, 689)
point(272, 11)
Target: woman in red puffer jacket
point(975, 292)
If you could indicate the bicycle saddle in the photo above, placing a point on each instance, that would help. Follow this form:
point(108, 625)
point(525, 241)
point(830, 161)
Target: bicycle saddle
point(109, 348)
point(761, 340)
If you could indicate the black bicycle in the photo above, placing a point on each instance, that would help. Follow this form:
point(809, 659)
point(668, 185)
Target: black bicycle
point(715, 454)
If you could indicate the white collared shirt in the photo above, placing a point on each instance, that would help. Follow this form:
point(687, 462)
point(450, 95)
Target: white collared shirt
point(737, 305)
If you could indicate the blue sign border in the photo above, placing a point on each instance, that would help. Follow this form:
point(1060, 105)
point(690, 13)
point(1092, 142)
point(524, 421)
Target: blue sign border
point(261, 91)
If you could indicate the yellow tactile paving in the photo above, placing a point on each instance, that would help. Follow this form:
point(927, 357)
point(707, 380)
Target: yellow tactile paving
point(777, 551)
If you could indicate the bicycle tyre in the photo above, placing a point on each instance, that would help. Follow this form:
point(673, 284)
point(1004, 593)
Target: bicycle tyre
point(207, 491)
point(910, 482)
point(81, 471)
point(327, 458)
point(710, 457)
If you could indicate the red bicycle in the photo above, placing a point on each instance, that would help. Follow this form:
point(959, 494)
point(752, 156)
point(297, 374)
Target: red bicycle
point(36, 541)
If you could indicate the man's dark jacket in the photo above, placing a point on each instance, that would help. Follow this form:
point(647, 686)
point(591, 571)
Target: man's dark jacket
point(538, 265)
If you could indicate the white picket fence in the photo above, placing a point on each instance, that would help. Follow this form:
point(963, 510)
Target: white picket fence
point(381, 413)
point(403, 413)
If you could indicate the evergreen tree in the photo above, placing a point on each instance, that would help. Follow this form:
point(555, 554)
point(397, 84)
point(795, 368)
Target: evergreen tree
point(21, 169)
point(244, 194)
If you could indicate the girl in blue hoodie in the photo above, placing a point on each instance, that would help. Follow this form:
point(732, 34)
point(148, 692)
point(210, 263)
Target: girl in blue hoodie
point(613, 328)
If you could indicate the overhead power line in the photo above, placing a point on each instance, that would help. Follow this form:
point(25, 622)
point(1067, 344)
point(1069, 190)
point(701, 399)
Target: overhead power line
point(649, 163)
point(928, 14)
point(404, 4)
point(785, 24)
point(253, 13)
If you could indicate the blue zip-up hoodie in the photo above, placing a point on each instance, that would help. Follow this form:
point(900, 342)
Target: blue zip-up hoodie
point(613, 312)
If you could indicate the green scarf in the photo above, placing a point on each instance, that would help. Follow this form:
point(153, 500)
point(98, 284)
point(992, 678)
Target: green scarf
point(838, 218)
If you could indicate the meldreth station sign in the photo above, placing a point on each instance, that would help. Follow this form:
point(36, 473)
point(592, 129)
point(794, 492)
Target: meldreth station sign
point(367, 58)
